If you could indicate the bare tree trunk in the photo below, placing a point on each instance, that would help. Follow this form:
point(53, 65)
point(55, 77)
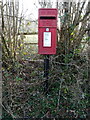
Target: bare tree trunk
point(2, 34)
point(14, 30)
point(0, 68)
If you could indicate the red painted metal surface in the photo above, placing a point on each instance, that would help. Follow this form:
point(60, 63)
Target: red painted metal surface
point(47, 31)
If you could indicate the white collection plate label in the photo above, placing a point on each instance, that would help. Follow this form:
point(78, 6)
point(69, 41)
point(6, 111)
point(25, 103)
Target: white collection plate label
point(47, 39)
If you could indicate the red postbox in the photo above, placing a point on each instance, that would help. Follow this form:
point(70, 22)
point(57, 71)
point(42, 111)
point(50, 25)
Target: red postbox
point(47, 31)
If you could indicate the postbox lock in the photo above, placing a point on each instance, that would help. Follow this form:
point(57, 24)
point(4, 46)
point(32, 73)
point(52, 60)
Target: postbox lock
point(47, 29)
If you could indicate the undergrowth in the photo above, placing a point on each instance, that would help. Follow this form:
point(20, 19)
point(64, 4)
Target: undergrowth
point(68, 90)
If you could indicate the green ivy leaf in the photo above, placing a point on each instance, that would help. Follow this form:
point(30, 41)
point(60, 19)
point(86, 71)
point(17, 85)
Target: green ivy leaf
point(18, 79)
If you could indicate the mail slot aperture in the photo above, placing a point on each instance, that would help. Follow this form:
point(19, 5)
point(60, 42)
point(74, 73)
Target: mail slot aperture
point(47, 17)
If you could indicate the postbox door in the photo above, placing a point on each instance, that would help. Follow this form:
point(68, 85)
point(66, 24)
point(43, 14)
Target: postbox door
point(47, 41)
